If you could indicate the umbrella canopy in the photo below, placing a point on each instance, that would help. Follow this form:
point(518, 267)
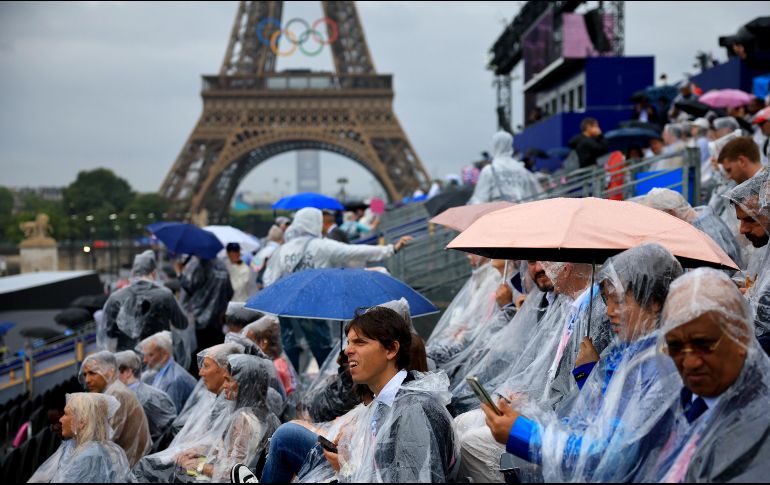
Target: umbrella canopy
point(189, 239)
point(640, 124)
point(308, 199)
point(558, 152)
point(726, 98)
point(762, 116)
point(91, 303)
point(40, 332)
point(449, 198)
point(157, 225)
point(585, 230)
point(72, 317)
point(5, 326)
point(335, 294)
point(460, 218)
point(696, 108)
point(623, 138)
point(230, 234)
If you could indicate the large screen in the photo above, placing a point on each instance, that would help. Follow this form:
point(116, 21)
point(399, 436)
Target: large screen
point(539, 47)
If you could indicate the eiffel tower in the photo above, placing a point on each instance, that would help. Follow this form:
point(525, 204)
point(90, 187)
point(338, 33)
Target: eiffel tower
point(251, 112)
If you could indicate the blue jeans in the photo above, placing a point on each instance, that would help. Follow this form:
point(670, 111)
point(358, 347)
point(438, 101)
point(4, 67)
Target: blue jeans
point(317, 335)
point(289, 446)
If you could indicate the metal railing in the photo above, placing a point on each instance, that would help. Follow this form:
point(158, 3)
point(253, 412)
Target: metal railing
point(298, 80)
point(28, 371)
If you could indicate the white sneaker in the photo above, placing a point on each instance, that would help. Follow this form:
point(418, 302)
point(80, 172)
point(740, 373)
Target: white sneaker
point(240, 473)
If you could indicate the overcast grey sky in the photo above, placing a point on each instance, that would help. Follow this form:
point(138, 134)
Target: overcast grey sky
point(116, 84)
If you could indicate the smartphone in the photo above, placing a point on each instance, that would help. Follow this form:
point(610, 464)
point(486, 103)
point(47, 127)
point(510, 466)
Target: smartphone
point(327, 445)
point(482, 393)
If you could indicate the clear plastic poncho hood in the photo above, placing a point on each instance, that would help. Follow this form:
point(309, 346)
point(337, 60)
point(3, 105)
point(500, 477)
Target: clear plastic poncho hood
point(505, 178)
point(730, 441)
point(603, 432)
point(307, 222)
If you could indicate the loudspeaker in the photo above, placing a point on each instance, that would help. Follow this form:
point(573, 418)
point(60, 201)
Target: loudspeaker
point(595, 27)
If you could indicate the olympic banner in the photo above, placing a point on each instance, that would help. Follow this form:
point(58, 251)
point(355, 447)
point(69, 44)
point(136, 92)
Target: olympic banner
point(270, 31)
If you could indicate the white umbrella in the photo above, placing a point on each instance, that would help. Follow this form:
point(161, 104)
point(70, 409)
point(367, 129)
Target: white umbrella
point(230, 234)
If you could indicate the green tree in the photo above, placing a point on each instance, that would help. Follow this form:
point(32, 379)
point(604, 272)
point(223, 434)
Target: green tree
point(142, 210)
point(30, 206)
point(92, 199)
point(6, 210)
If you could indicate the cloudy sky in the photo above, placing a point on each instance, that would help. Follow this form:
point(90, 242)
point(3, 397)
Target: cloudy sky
point(117, 84)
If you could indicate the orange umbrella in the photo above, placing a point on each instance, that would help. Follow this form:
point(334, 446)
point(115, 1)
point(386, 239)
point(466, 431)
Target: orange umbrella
point(587, 230)
point(460, 218)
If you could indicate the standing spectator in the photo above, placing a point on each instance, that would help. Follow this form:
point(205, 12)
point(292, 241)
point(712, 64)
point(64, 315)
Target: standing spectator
point(206, 290)
point(241, 277)
point(142, 308)
point(685, 94)
point(330, 228)
point(589, 144)
point(505, 178)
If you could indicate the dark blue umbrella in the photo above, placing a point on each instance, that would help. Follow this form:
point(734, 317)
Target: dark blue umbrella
point(335, 294)
point(157, 225)
point(5, 326)
point(189, 239)
point(558, 152)
point(308, 199)
point(623, 138)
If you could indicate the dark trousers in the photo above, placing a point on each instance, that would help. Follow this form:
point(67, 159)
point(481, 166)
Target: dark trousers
point(317, 336)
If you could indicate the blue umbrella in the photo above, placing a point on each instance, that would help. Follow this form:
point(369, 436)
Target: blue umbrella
point(157, 225)
point(308, 199)
point(623, 138)
point(189, 239)
point(5, 326)
point(335, 294)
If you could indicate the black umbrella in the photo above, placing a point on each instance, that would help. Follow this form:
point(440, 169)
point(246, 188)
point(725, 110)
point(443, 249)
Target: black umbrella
point(40, 332)
point(73, 316)
point(696, 108)
point(453, 197)
point(355, 205)
point(640, 124)
point(639, 96)
point(90, 302)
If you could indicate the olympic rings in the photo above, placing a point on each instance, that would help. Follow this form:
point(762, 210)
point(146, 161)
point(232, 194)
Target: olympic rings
point(271, 39)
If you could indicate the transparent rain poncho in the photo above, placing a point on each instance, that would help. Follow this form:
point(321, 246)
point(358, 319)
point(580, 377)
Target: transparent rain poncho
point(531, 329)
point(205, 421)
point(702, 218)
point(131, 431)
point(170, 378)
point(276, 393)
point(505, 178)
point(251, 424)
point(305, 248)
point(411, 441)
point(730, 441)
point(158, 406)
point(602, 432)
point(90, 456)
point(267, 332)
point(140, 310)
point(237, 315)
point(206, 290)
point(753, 196)
point(473, 306)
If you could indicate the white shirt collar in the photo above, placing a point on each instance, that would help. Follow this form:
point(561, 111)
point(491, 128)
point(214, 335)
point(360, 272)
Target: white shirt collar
point(711, 402)
point(550, 296)
point(388, 393)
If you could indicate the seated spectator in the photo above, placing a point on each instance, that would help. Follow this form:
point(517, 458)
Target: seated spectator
point(702, 218)
point(250, 426)
point(157, 405)
point(238, 316)
point(722, 433)
point(205, 423)
point(656, 147)
point(399, 452)
point(589, 144)
point(624, 394)
point(673, 140)
point(266, 333)
point(169, 376)
point(99, 374)
point(87, 455)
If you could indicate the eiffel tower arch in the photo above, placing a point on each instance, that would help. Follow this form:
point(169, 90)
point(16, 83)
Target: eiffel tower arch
point(251, 113)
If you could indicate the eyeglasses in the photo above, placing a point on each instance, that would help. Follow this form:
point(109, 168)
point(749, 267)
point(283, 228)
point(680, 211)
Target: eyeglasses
point(696, 346)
